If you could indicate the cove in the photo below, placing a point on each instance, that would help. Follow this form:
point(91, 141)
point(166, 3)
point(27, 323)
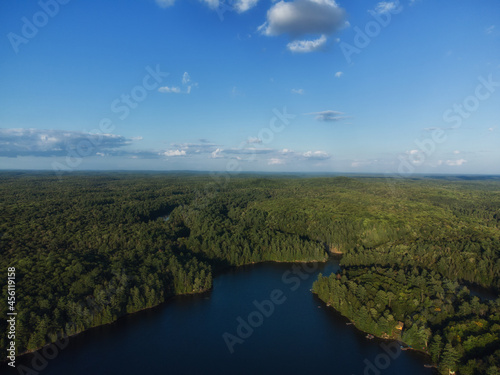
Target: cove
point(186, 334)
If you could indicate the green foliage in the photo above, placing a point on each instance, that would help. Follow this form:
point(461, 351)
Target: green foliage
point(89, 248)
point(440, 316)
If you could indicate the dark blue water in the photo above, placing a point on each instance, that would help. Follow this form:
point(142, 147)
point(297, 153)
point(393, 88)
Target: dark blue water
point(299, 335)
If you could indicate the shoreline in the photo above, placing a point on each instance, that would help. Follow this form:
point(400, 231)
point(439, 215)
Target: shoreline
point(219, 272)
point(399, 341)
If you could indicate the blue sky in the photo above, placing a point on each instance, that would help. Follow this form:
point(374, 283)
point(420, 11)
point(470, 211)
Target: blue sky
point(253, 85)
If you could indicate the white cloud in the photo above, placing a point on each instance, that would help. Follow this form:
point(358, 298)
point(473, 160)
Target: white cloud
point(386, 6)
point(306, 46)
point(172, 89)
point(455, 163)
point(195, 148)
point(275, 161)
point(298, 91)
point(165, 3)
point(456, 152)
point(239, 6)
point(491, 129)
point(316, 155)
point(174, 153)
point(339, 74)
point(186, 82)
point(302, 17)
point(217, 153)
point(49, 142)
point(244, 5)
point(328, 115)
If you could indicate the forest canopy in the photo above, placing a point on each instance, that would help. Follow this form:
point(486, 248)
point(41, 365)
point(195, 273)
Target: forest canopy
point(91, 247)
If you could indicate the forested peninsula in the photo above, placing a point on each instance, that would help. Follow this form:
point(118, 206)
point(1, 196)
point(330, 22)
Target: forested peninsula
point(89, 248)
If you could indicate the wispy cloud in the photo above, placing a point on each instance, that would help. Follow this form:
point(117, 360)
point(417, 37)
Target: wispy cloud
point(386, 6)
point(339, 74)
point(490, 29)
point(455, 163)
point(298, 91)
point(287, 155)
point(217, 153)
point(239, 6)
point(328, 115)
point(244, 5)
point(171, 89)
point(196, 148)
point(187, 83)
point(174, 153)
point(275, 161)
point(316, 155)
point(306, 46)
point(46, 143)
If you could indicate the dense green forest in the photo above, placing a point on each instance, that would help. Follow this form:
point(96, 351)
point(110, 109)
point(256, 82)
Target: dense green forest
point(89, 248)
point(437, 315)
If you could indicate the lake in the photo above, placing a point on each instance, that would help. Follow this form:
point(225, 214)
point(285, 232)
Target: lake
point(259, 319)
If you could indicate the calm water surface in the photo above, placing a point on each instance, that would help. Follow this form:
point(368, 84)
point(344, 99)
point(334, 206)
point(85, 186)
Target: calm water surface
point(185, 335)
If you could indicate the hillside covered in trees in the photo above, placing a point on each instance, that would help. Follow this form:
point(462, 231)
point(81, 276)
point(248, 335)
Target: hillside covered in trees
point(89, 248)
